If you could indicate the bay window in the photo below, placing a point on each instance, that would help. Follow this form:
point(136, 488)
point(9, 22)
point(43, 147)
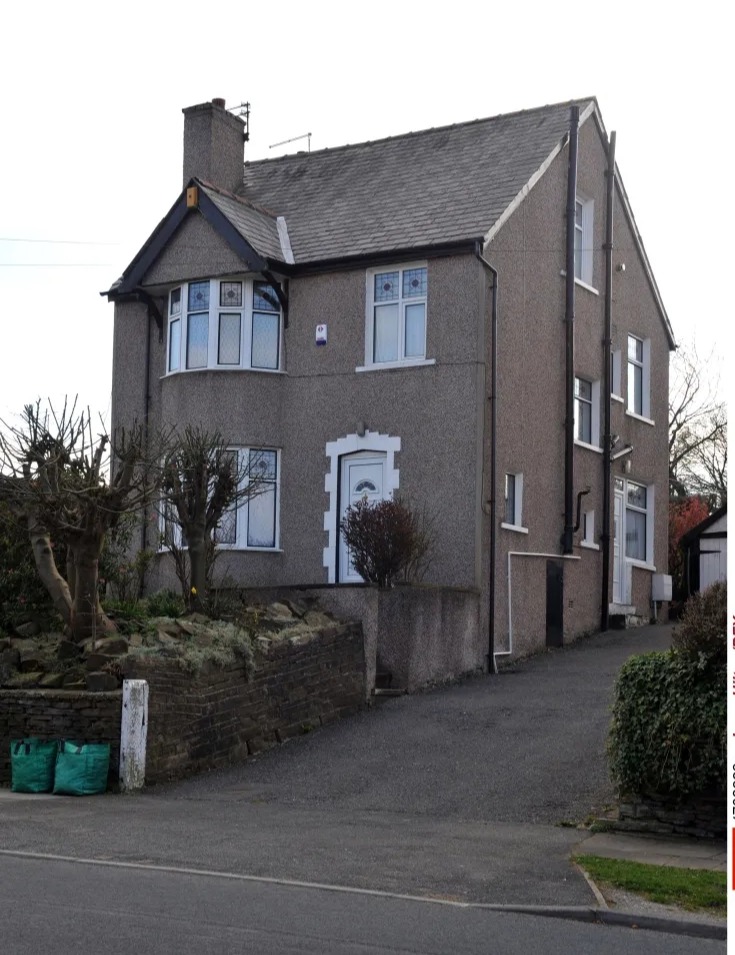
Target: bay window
point(227, 324)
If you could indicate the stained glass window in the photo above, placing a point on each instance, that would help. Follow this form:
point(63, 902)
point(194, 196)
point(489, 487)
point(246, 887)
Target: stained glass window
point(175, 302)
point(414, 282)
point(265, 298)
point(198, 296)
point(386, 287)
point(230, 294)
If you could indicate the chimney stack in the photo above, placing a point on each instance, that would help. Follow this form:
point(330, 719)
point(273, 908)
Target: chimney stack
point(213, 145)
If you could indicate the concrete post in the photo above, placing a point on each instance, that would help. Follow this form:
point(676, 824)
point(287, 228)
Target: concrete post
point(133, 734)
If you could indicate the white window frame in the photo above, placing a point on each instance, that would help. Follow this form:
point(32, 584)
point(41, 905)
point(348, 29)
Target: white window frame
point(616, 386)
point(402, 361)
point(648, 563)
point(644, 414)
point(594, 402)
point(214, 311)
point(584, 241)
point(242, 510)
point(588, 531)
point(517, 523)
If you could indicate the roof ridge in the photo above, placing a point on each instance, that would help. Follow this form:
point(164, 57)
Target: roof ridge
point(422, 132)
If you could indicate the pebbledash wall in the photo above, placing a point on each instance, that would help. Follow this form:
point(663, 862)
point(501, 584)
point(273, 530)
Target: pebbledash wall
point(209, 720)
point(60, 714)
point(423, 634)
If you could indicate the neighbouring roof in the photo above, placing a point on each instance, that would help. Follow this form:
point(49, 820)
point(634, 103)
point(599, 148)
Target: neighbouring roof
point(695, 532)
point(435, 187)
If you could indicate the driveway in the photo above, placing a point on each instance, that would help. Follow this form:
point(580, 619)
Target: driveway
point(457, 793)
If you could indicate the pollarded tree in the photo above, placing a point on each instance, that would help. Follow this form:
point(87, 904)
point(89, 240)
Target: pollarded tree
point(203, 481)
point(54, 476)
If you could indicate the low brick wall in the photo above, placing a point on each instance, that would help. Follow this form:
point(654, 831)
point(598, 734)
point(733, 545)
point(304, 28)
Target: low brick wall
point(59, 714)
point(422, 634)
point(702, 816)
point(216, 717)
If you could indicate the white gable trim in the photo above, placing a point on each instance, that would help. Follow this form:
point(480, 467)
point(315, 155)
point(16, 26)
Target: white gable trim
point(370, 441)
point(285, 240)
point(500, 222)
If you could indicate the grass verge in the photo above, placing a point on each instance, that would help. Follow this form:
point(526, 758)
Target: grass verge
point(698, 890)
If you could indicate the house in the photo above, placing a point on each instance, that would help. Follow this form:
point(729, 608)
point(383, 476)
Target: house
point(462, 314)
point(705, 552)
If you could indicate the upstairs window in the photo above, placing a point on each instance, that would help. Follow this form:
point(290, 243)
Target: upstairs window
point(587, 412)
point(639, 376)
point(396, 319)
point(583, 239)
point(513, 493)
point(233, 323)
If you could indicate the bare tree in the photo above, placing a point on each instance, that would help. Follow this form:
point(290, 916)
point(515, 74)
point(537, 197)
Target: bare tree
point(54, 475)
point(697, 432)
point(203, 481)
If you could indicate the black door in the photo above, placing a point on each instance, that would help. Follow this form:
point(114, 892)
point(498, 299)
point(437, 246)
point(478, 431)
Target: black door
point(554, 603)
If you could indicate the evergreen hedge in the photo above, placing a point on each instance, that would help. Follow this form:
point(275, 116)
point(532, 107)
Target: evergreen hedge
point(668, 734)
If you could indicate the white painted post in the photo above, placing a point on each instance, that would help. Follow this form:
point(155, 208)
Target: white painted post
point(133, 734)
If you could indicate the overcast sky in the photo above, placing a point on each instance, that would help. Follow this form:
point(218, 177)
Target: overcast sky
point(92, 128)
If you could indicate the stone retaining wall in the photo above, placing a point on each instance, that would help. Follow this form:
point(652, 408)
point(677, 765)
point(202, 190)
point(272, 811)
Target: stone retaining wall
point(60, 714)
point(703, 816)
point(216, 717)
point(212, 718)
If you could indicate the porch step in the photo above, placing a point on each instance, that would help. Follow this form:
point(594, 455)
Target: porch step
point(624, 616)
point(392, 691)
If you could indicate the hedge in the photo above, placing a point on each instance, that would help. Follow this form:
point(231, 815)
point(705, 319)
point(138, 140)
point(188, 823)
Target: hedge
point(668, 730)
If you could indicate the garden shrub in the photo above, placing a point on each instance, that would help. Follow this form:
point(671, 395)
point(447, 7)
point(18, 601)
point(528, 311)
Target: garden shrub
point(701, 636)
point(165, 603)
point(668, 729)
point(388, 540)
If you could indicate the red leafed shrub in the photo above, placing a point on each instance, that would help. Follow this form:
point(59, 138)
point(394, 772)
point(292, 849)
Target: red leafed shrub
point(684, 514)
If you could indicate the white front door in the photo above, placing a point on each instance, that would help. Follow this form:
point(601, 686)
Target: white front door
point(618, 572)
point(363, 476)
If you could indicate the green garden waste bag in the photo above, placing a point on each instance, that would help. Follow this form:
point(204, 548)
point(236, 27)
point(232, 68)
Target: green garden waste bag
point(81, 768)
point(32, 765)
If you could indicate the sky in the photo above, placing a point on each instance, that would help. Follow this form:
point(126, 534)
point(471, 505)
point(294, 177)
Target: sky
point(91, 154)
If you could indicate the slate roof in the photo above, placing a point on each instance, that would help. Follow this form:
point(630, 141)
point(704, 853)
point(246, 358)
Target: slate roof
point(435, 187)
point(254, 223)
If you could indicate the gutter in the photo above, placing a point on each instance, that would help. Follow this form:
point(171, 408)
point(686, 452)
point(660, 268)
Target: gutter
point(493, 398)
point(606, 385)
point(568, 535)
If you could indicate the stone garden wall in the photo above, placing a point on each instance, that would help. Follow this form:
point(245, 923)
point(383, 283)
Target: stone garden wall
point(302, 679)
point(703, 816)
point(218, 716)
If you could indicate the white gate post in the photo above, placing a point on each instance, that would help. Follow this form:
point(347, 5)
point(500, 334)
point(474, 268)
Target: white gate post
point(133, 733)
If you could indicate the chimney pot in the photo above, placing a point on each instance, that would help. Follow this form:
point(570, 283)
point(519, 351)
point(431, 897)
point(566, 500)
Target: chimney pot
point(218, 102)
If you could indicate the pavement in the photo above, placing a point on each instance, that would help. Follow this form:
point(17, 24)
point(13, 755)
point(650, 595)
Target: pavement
point(471, 794)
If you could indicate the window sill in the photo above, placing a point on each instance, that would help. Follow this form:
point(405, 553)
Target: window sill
point(580, 283)
point(250, 550)
point(638, 417)
point(589, 545)
point(233, 547)
point(617, 398)
point(640, 563)
point(589, 447)
point(219, 368)
point(387, 365)
point(516, 528)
